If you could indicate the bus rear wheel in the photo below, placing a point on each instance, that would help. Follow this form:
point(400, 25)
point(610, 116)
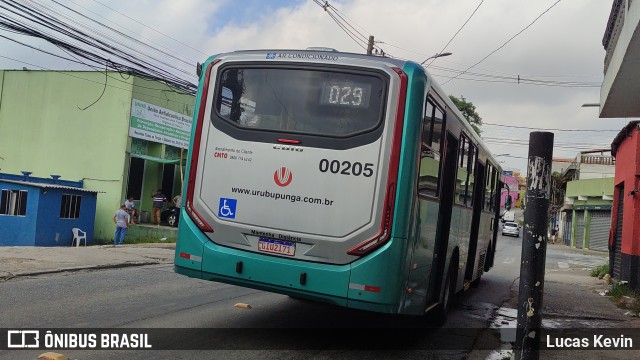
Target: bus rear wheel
point(439, 316)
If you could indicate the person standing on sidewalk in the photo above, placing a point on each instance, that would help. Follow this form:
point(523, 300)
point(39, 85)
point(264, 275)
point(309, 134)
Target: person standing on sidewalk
point(131, 208)
point(121, 218)
point(158, 201)
point(177, 202)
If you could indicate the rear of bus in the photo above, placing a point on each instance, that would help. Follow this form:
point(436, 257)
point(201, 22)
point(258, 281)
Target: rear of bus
point(292, 177)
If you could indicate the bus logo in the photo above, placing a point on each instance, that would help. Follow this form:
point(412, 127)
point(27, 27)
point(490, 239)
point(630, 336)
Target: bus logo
point(282, 177)
point(271, 56)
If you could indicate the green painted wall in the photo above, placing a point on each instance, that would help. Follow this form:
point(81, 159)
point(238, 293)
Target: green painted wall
point(590, 187)
point(44, 129)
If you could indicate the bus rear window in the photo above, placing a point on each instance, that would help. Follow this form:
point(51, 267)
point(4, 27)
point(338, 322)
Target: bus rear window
point(317, 102)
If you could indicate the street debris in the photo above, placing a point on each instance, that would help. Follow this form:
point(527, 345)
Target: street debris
point(604, 292)
point(52, 356)
point(242, 306)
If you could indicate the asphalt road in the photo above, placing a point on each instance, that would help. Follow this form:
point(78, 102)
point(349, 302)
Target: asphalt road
point(156, 297)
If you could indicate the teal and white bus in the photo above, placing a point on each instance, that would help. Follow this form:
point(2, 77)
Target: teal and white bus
point(345, 178)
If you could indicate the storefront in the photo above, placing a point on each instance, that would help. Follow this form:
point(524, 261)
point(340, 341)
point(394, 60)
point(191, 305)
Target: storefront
point(130, 141)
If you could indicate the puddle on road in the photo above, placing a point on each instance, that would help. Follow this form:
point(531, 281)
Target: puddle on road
point(499, 355)
point(506, 320)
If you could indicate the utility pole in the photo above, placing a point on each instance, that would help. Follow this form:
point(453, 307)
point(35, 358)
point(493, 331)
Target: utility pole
point(370, 46)
point(534, 246)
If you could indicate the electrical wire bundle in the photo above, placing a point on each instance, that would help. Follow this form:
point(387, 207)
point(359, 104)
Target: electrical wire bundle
point(102, 48)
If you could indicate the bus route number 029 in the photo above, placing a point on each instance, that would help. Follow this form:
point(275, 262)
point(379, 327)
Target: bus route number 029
point(346, 167)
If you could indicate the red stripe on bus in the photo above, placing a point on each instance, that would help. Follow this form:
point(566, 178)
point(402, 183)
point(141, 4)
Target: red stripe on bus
point(197, 218)
point(392, 177)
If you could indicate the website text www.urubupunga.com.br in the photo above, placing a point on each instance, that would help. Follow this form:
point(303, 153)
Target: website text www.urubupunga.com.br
point(279, 196)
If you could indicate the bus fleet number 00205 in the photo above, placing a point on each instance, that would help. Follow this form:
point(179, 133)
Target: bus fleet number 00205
point(346, 167)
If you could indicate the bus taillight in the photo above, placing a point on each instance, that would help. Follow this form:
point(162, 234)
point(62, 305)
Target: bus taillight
point(195, 152)
point(197, 218)
point(370, 245)
point(390, 195)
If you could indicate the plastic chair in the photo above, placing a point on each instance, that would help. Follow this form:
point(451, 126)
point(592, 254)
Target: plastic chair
point(78, 235)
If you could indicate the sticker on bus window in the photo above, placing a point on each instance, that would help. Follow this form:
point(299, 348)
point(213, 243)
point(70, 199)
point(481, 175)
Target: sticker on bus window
point(227, 100)
point(227, 208)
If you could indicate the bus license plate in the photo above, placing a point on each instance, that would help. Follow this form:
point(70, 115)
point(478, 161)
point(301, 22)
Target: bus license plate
point(276, 246)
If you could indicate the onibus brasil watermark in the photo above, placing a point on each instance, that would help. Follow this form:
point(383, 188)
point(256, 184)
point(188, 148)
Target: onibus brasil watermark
point(70, 339)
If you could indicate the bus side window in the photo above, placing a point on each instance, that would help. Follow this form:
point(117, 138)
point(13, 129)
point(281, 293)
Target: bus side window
point(473, 155)
point(488, 187)
point(494, 198)
point(461, 178)
point(466, 167)
point(430, 148)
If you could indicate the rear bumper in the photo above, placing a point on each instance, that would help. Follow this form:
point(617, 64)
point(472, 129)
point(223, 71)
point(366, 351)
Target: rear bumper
point(366, 284)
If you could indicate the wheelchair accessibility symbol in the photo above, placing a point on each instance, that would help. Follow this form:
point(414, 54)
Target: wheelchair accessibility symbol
point(227, 208)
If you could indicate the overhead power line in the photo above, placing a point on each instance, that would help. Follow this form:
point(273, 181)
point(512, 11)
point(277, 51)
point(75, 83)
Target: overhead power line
point(457, 32)
point(506, 42)
point(95, 48)
point(345, 25)
point(150, 28)
point(73, 75)
point(546, 129)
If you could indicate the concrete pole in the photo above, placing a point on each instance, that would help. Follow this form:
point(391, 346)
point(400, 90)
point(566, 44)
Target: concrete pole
point(370, 45)
point(534, 245)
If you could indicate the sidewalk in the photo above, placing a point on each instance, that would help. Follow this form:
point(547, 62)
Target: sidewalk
point(17, 261)
point(571, 295)
point(571, 301)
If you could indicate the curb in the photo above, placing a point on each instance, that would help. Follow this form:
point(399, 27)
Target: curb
point(80, 268)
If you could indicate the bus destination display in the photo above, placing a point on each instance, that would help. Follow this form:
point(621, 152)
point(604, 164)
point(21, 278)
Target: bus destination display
point(345, 93)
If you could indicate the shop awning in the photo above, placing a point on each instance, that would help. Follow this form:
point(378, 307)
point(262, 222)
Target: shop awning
point(156, 159)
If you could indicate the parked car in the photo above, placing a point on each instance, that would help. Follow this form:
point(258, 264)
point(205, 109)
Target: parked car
point(511, 228)
point(170, 216)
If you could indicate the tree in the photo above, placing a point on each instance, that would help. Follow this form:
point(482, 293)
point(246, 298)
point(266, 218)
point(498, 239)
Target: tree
point(557, 189)
point(469, 112)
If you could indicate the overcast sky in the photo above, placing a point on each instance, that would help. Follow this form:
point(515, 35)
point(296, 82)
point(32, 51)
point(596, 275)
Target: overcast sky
point(563, 45)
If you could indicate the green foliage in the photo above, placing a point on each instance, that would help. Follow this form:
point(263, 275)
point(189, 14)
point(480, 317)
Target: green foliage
point(469, 112)
point(600, 271)
point(619, 290)
point(626, 298)
point(557, 191)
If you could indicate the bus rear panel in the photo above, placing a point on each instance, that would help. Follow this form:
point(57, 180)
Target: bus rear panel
point(292, 177)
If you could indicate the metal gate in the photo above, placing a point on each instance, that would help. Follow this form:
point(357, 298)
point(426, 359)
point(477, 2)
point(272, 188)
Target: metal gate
point(579, 229)
point(599, 230)
point(567, 229)
point(617, 255)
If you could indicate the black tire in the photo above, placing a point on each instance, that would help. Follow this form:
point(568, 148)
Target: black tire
point(439, 316)
point(488, 259)
point(475, 283)
point(172, 220)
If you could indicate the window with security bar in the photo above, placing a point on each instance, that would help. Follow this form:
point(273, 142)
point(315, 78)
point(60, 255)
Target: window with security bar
point(13, 202)
point(70, 206)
